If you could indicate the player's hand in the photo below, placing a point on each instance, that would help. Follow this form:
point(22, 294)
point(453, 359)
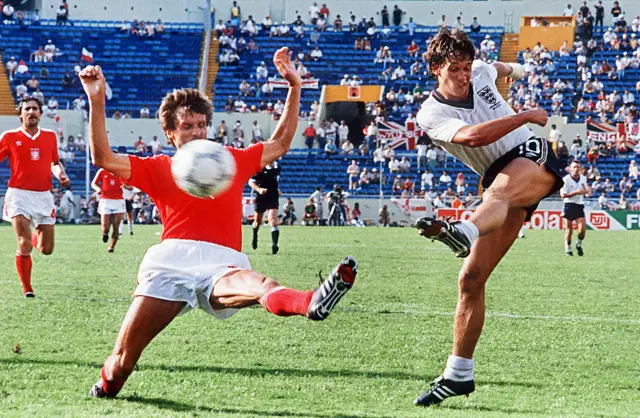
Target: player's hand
point(93, 82)
point(282, 61)
point(262, 191)
point(538, 116)
point(64, 180)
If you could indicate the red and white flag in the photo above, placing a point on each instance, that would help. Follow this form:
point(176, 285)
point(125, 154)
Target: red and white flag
point(86, 55)
point(22, 67)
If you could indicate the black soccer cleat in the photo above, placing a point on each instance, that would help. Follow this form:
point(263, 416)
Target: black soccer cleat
point(442, 389)
point(105, 238)
point(29, 295)
point(274, 249)
point(579, 251)
point(331, 290)
point(445, 232)
point(97, 391)
point(110, 249)
point(568, 252)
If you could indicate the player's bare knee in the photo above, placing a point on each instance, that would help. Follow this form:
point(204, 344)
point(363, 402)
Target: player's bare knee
point(471, 282)
point(24, 246)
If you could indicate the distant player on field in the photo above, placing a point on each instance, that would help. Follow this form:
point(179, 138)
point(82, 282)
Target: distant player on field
point(128, 193)
point(468, 117)
point(33, 157)
point(573, 192)
point(265, 184)
point(111, 206)
point(199, 263)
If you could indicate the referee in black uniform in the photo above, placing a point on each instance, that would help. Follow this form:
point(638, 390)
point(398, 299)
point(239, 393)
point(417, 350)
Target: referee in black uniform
point(265, 184)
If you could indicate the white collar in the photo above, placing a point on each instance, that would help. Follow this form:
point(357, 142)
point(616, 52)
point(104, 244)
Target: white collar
point(34, 137)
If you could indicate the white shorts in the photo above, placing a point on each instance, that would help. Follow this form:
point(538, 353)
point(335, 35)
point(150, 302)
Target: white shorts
point(187, 271)
point(111, 206)
point(38, 207)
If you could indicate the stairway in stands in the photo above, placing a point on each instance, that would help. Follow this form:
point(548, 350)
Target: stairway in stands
point(7, 102)
point(508, 53)
point(212, 69)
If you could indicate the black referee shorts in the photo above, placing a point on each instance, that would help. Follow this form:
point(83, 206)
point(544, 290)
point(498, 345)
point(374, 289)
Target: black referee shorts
point(266, 202)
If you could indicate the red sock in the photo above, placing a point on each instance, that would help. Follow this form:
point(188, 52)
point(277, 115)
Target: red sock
point(283, 301)
point(23, 265)
point(34, 240)
point(111, 387)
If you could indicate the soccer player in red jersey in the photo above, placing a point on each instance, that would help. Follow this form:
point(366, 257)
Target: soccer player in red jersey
point(111, 207)
point(33, 158)
point(199, 262)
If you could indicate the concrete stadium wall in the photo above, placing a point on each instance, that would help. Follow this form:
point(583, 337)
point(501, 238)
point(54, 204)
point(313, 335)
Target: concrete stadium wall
point(425, 12)
point(70, 121)
point(167, 10)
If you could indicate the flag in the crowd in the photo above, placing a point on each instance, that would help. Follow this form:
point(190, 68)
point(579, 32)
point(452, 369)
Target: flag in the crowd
point(633, 136)
point(601, 132)
point(22, 67)
point(396, 135)
point(87, 55)
point(281, 83)
point(108, 92)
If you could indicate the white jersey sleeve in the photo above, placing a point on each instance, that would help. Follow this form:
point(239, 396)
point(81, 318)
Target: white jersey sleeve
point(438, 125)
point(481, 66)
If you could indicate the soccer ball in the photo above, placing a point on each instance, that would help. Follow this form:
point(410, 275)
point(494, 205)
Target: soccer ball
point(203, 168)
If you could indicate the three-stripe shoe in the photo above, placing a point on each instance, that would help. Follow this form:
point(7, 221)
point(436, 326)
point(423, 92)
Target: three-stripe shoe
point(442, 389)
point(445, 232)
point(97, 391)
point(331, 290)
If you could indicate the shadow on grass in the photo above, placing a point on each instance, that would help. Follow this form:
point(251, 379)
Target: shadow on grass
point(185, 407)
point(258, 371)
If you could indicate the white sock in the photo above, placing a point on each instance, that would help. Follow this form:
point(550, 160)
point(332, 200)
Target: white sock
point(469, 230)
point(130, 226)
point(120, 228)
point(458, 369)
point(578, 243)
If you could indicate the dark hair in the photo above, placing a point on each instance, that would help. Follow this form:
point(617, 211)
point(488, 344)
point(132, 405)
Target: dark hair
point(26, 99)
point(191, 100)
point(449, 44)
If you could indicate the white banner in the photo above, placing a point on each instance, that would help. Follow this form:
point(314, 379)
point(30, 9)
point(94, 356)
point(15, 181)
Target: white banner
point(281, 83)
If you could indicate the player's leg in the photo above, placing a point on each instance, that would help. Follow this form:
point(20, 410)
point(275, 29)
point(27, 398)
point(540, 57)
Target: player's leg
point(105, 223)
point(272, 215)
point(130, 218)
point(257, 221)
point(45, 238)
point(22, 228)
point(243, 288)
point(116, 219)
point(582, 231)
point(520, 184)
point(146, 317)
point(568, 232)
point(486, 253)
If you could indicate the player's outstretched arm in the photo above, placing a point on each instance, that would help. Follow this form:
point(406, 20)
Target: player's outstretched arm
point(94, 85)
point(489, 132)
point(280, 140)
point(513, 70)
point(58, 171)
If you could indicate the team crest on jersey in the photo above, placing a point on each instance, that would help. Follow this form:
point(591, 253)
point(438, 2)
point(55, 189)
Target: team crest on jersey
point(488, 96)
point(18, 143)
point(35, 154)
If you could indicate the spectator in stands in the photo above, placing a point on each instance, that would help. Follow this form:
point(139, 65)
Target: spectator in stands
point(458, 24)
point(408, 188)
point(365, 178)
point(337, 24)
point(353, 172)
point(11, 66)
point(371, 28)
point(404, 166)
point(238, 104)
point(397, 186)
point(488, 44)
point(21, 90)
point(426, 180)
point(394, 165)
point(461, 184)
point(599, 21)
point(633, 170)
point(347, 148)
point(33, 83)
point(61, 16)
point(616, 10)
point(399, 73)
point(309, 135)
point(597, 185)
point(568, 11)
point(384, 217)
point(139, 145)
point(413, 49)
point(155, 146)
point(235, 14)
point(49, 51)
point(38, 55)
point(608, 186)
point(38, 95)
point(330, 148)
point(79, 144)
point(389, 153)
point(397, 15)
point(445, 179)
point(432, 157)
point(316, 54)
point(145, 113)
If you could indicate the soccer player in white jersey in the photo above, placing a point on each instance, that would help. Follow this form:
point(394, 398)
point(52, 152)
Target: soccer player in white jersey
point(33, 158)
point(573, 192)
point(199, 262)
point(468, 117)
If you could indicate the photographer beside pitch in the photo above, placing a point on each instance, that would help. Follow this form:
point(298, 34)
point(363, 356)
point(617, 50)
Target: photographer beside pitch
point(198, 263)
point(468, 117)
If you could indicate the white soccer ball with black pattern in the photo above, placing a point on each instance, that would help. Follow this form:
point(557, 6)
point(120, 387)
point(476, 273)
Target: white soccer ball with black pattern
point(203, 168)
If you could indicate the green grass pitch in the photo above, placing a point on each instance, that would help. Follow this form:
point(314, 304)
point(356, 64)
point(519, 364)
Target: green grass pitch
point(562, 335)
